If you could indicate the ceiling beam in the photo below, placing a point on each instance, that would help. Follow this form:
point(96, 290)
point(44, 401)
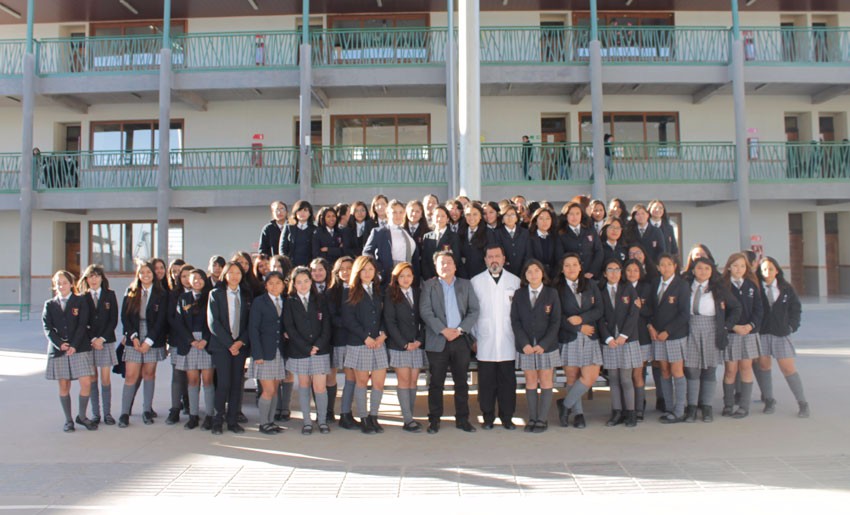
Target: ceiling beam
point(81, 212)
point(825, 95)
point(578, 93)
point(709, 203)
point(201, 210)
point(192, 99)
point(321, 97)
point(706, 92)
point(72, 103)
point(830, 202)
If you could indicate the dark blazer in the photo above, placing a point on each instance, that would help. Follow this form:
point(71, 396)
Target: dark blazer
point(517, 249)
point(669, 234)
point(432, 307)
point(783, 317)
point(218, 320)
point(590, 311)
point(672, 310)
point(727, 311)
point(335, 243)
point(419, 234)
point(620, 252)
point(265, 328)
point(335, 300)
point(103, 318)
point(380, 246)
point(621, 318)
point(191, 317)
point(297, 244)
point(544, 250)
point(156, 319)
point(587, 245)
point(270, 238)
point(647, 308)
point(448, 241)
point(539, 325)
point(358, 242)
point(173, 313)
point(752, 309)
point(363, 319)
point(403, 322)
point(306, 328)
point(652, 240)
point(69, 326)
point(472, 251)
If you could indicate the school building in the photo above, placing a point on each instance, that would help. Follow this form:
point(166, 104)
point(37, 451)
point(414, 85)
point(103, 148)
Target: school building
point(736, 114)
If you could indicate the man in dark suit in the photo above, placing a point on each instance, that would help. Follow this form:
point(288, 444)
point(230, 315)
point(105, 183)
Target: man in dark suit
point(449, 309)
point(270, 236)
point(392, 244)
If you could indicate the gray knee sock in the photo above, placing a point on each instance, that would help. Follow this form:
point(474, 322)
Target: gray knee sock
point(195, 400)
point(573, 400)
point(304, 402)
point(84, 405)
point(729, 395)
point(628, 386)
point(411, 396)
point(265, 406)
point(746, 395)
point(147, 392)
point(531, 400)
point(692, 375)
point(272, 407)
point(127, 397)
point(681, 389)
point(708, 383)
point(796, 385)
point(209, 400)
point(658, 379)
point(178, 377)
point(65, 401)
point(322, 407)
point(95, 400)
point(285, 397)
point(347, 396)
point(331, 399)
point(666, 392)
point(545, 404)
point(404, 404)
point(616, 391)
point(738, 382)
point(766, 383)
point(640, 397)
point(106, 399)
point(375, 401)
point(360, 400)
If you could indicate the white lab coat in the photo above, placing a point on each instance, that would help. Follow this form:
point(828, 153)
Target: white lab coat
point(493, 329)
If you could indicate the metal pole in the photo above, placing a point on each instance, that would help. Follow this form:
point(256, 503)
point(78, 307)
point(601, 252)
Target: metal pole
point(26, 177)
point(451, 106)
point(742, 163)
point(304, 106)
point(163, 182)
point(469, 98)
point(598, 189)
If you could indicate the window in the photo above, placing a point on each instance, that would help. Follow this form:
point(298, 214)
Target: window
point(385, 129)
point(116, 245)
point(133, 142)
point(635, 127)
point(147, 28)
point(375, 21)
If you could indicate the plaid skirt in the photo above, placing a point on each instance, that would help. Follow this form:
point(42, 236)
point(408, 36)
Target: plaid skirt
point(314, 365)
point(268, 370)
point(195, 359)
point(105, 357)
point(646, 352)
point(702, 343)
point(581, 352)
point(338, 357)
point(780, 347)
point(670, 351)
point(741, 347)
point(80, 364)
point(408, 359)
point(154, 355)
point(360, 357)
point(625, 356)
point(545, 361)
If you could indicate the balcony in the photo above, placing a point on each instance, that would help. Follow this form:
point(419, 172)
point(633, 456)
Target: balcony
point(799, 162)
point(234, 168)
point(98, 55)
point(12, 58)
point(379, 47)
point(796, 46)
point(235, 51)
point(664, 45)
point(343, 166)
point(10, 165)
point(107, 171)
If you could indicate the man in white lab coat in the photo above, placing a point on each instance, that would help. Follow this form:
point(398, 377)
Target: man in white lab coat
point(496, 353)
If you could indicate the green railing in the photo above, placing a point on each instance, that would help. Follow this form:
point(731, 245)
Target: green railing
point(671, 162)
point(96, 171)
point(379, 164)
point(10, 167)
point(513, 162)
point(799, 161)
point(793, 45)
point(534, 45)
point(676, 45)
point(231, 168)
point(236, 51)
point(99, 55)
point(12, 57)
point(408, 46)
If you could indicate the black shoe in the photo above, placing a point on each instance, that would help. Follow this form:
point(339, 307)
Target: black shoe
point(707, 413)
point(69, 427)
point(278, 416)
point(579, 422)
point(124, 420)
point(509, 425)
point(330, 417)
point(690, 414)
point(433, 427)
point(324, 429)
point(804, 410)
point(154, 414)
point(241, 418)
point(194, 421)
point(375, 425)
point(769, 406)
point(217, 428)
point(563, 413)
point(283, 416)
point(616, 419)
point(529, 427)
point(276, 428)
point(346, 421)
point(488, 425)
point(740, 413)
point(235, 428)
point(541, 426)
point(660, 405)
point(630, 419)
point(207, 424)
point(366, 426)
point(108, 420)
point(728, 411)
point(307, 430)
point(669, 418)
point(412, 427)
point(173, 417)
point(639, 416)
point(86, 423)
point(147, 418)
point(465, 426)
point(95, 420)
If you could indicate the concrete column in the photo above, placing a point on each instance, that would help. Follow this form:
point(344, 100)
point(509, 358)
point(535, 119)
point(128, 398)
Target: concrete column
point(597, 114)
point(469, 98)
point(742, 163)
point(814, 254)
point(26, 177)
point(304, 116)
point(451, 104)
point(163, 182)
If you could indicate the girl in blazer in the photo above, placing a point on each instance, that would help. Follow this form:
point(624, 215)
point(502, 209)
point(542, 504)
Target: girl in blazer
point(214, 270)
point(441, 238)
point(639, 230)
point(296, 241)
point(69, 357)
point(320, 272)
point(617, 209)
point(612, 241)
point(542, 239)
point(160, 272)
point(359, 226)
point(103, 319)
point(328, 243)
point(635, 276)
point(405, 339)
point(190, 339)
point(227, 317)
point(474, 239)
point(739, 278)
point(782, 312)
point(596, 215)
point(143, 317)
point(581, 307)
point(336, 295)
point(578, 239)
point(658, 218)
point(650, 266)
point(514, 241)
point(491, 215)
point(430, 202)
point(366, 352)
point(180, 284)
point(457, 223)
point(251, 280)
point(378, 210)
point(415, 222)
point(308, 345)
point(697, 251)
point(668, 330)
point(618, 330)
point(266, 330)
point(536, 321)
point(714, 312)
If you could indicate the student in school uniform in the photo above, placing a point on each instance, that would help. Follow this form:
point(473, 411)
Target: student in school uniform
point(611, 235)
point(336, 294)
point(581, 240)
point(714, 311)
point(378, 210)
point(214, 267)
point(543, 240)
point(617, 209)
point(392, 244)
point(266, 330)
point(360, 227)
point(253, 283)
point(639, 230)
point(457, 223)
point(581, 307)
point(782, 310)
point(659, 218)
point(635, 276)
point(227, 317)
point(143, 318)
point(668, 330)
point(270, 235)
point(596, 215)
point(262, 266)
point(440, 238)
point(536, 322)
point(618, 331)
point(492, 218)
point(514, 240)
point(160, 272)
point(405, 339)
point(697, 251)
point(366, 354)
point(637, 252)
point(190, 339)
point(296, 241)
point(474, 239)
point(415, 222)
point(430, 202)
point(320, 272)
point(180, 284)
point(69, 357)
point(328, 242)
point(739, 278)
point(103, 320)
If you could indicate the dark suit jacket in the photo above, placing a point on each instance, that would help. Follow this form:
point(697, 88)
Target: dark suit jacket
point(545, 251)
point(472, 255)
point(517, 249)
point(587, 245)
point(218, 320)
point(191, 317)
point(156, 319)
point(419, 233)
point(727, 311)
point(403, 322)
point(432, 307)
point(752, 309)
point(538, 325)
point(103, 318)
point(335, 300)
point(783, 317)
point(306, 328)
point(670, 243)
point(379, 245)
point(644, 291)
point(336, 244)
point(590, 311)
point(363, 319)
point(265, 328)
point(270, 238)
point(297, 244)
point(430, 246)
point(652, 240)
point(623, 317)
point(66, 326)
point(358, 242)
point(672, 310)
point(620, 252)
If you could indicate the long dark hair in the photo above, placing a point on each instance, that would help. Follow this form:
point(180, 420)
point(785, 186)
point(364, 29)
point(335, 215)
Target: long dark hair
point(298, 206)
point(479, 237)
point(714, 280)
point(528, 264)
point(134, 292)
point(780, 275)
point(394, 290)
point(83, 285)
point(603, 281)
point(355, 285)
point(561, 281)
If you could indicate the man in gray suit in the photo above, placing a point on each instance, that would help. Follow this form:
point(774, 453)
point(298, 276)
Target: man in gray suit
point(449, 309)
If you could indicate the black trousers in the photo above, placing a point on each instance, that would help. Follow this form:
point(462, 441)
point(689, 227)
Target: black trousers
point(455, 357)
point(497, 381)
point(229, 371)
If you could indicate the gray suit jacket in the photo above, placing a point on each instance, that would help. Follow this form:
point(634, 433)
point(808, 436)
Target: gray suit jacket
point(432, 307)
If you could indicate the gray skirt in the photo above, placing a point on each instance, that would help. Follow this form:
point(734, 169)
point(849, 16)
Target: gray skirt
point(408, 358)
point(646, 352)
point(670, 351)
point(581, 352)
point(154, 355)
point(741, 347)
point(545, 361)
point(360, 357)
point(702, 343)
point(627, 355)
point(314, 365)
point(780, 347)
point(195, 359)
point(105, 357)
point(338, 357)
point(268, 370)
point(80, 364)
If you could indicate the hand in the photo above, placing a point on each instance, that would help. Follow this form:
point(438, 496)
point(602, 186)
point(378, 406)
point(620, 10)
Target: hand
point(538, 349)
point(639, 303)
point(71, 351)
point(314, 350)
point(589, 275)
point(194, 343)
point(450, 334)
point(323, 249)
point(380, 340)
point(144, 348)
point(135, 342)
point(662, 336)
point(259, 361)
point(64, 346)
point(743, 330)
point(370, 342)
point(416, 344)
point(588, 330)
point(574, 320)
point(621, 340)
point(653, 334)
point(528, 350)
point(202, 344)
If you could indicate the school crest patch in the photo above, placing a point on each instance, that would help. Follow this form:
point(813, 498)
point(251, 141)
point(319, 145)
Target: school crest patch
point(672, 299)
point(548, 309)
point(75, 312)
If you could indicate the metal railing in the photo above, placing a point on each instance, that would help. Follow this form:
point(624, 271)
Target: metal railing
point(10, 168)
point(796, 45)
point(772, 161)
point(534, 45)
point(515, 162)
point(12, 57)
point(379, 164)
point(99, 54)
point(377, 47)
point(235, 51)
point(672, 161)
point(664, 44)
point(95, 171)
point(234, 168)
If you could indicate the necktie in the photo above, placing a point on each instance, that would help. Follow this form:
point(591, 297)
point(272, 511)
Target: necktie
point(94, 297)
point(302, 226)
point(511, 234)
point(738, 284)
point(62, 302)
point(237, 312)
point(408, 255)
point(577, 231)
point(305, 303)
point(360, 230)
point(409, 297)
point(612, 292)
point(642, 231)
point(277, 306)
point(574, 287)
point(471, 233)
point(144, 310)
point(661, 291)
point(770, 297)
point(369, 290)
point(697, 297)
point(534, 294)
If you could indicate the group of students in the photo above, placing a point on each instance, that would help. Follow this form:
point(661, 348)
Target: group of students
point(586, 288)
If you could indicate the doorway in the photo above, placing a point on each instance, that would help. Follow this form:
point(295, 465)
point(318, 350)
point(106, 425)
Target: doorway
point(72, 248)
point(795, 251)
point(792, 128)
point(833, 274)
point(555, 153)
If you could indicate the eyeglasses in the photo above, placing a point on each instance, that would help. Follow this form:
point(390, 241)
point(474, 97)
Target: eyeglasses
point(613, 270)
